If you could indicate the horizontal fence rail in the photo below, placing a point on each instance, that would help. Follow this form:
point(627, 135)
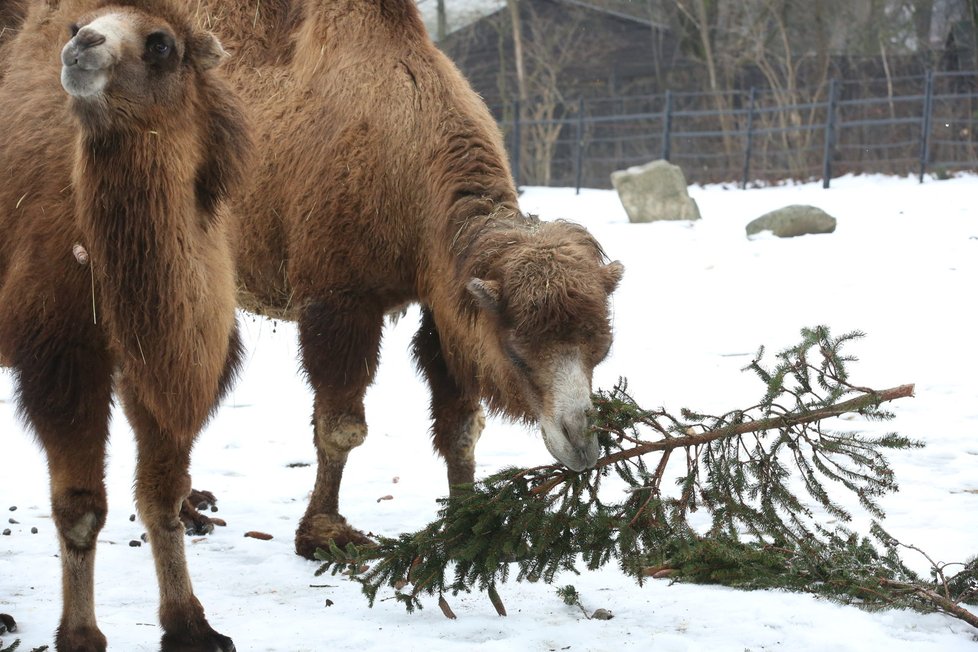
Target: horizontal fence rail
point(920, 125)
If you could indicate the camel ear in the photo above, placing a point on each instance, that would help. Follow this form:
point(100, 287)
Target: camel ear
point(486, 293)
point(206, 50)
point(611, 275)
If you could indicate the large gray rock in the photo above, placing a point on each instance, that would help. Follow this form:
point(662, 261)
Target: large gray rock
point(655, 191)
point(792, 221)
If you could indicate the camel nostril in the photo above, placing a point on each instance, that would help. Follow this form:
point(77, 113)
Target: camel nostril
point(89, 40)
point(574, 426)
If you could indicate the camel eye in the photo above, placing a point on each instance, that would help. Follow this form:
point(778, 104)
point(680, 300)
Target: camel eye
point(73, 28)
point(159, 45)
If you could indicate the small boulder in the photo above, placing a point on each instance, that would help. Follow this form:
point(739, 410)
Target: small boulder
point(655, 191)
point(792, 221)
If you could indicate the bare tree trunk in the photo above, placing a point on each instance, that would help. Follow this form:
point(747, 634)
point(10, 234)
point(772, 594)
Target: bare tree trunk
point(442, 21)
point(889, 78)
point(701, 18)
point(973, 12)
point(514, 15)
point(654, 40)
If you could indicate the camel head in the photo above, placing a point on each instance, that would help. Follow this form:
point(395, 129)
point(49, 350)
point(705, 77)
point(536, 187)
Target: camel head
point(125, 61)
point(548, 294)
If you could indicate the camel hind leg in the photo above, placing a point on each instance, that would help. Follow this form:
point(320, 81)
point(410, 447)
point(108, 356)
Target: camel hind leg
point(162, 484)
point(64, 384)
point(457, 418)
point(340, 340)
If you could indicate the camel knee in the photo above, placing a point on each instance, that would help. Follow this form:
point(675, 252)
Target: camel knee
point(471, 432)
point(79, 516)
point(458, 449)
point(339, 434)
point(82, 533)
point(456, 439)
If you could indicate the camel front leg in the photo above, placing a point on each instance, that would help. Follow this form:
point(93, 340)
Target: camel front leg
point(458, 419)
point(79, 507)
point(162, 484)
point(65, 390)
point(340, 340)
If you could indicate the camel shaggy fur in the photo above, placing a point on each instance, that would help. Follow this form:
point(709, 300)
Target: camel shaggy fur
point(12, 14)
point(130, 169)
point(384, 181)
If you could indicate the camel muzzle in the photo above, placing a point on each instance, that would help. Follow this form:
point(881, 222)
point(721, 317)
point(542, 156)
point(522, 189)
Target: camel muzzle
point(565, 424)
point(87, 59)
point(576, 449)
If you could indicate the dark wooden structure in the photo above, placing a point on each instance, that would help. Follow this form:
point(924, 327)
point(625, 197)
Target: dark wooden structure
point(591, 49)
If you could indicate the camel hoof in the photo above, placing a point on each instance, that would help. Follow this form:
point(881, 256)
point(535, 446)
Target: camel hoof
point(317, 531)
point(81, 639)
point(195, 523)
point(7, 624)
point(210, 642)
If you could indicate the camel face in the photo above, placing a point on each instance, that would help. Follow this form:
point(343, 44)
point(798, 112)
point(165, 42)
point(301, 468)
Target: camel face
point(101, 54)
point(556, 364)
point(551, 305)
point(125, 60)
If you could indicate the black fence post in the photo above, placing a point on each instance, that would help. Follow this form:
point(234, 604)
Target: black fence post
point(579, 158)
point(925, 122)
point(517, 142)
point(829, 133)
point(750, 137)
point(667, 127)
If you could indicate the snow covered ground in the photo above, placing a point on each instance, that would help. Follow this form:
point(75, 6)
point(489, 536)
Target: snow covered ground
point(696, 301)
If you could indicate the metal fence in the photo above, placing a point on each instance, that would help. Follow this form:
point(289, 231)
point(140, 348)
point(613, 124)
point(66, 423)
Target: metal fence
point(905, 125)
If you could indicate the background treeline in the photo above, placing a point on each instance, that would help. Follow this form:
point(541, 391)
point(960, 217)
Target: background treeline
point(779, 87)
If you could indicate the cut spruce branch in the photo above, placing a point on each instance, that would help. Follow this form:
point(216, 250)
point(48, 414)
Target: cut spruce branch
point(933, 598)
point(767, 479)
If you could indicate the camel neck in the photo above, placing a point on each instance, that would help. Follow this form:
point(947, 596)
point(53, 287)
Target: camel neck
point(140, 176)
point(136, 209)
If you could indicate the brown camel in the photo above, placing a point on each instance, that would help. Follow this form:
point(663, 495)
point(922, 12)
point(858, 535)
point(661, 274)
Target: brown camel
point(129, 169)
point(384, 181)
